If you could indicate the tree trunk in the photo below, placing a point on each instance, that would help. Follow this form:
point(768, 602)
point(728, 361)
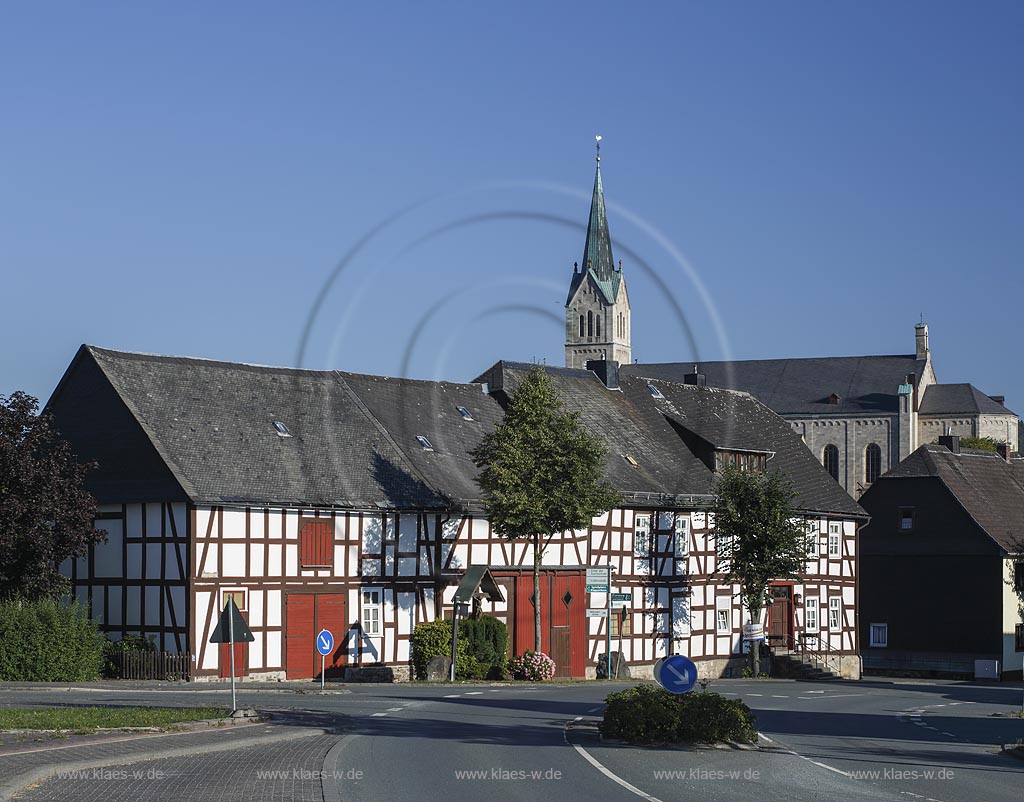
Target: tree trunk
point(536, 593)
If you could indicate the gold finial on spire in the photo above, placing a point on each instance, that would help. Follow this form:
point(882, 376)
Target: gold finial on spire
point(598, 138)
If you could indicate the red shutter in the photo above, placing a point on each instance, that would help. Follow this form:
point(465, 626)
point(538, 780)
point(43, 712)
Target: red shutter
point(316, 544)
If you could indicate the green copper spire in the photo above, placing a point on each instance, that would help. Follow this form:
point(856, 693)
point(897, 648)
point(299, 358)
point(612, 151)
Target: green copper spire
point(597, 253)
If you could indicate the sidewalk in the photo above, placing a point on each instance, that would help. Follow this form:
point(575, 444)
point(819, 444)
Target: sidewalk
point(26, 762)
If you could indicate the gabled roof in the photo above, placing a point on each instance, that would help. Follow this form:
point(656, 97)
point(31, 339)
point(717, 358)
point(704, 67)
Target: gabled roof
point(734, 421)
point(863, 384)
point(959, 399)
point(988, 487)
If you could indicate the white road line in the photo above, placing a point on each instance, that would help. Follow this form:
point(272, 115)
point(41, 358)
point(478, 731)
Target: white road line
point(815, 692)
point(394, 709)
point(378, 714)
point(802, 757)
point(608, 772)
point(777, 696)
point(755, 694)
point(596, 709)
point(474, 693)
point(452, 695)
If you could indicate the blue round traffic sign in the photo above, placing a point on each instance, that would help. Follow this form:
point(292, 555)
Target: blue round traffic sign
point(676, 674)
point(325, 642)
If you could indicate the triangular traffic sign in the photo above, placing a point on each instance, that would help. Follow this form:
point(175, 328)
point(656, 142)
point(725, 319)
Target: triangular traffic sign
point(231, 624)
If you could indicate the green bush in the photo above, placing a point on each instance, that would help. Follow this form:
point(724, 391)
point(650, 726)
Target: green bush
point(486, 640)
point(48, 641)
point(648, 714)
point(481, 650)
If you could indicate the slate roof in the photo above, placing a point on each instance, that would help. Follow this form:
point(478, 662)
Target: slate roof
point(988, 487)
point(864, 384)
point(959, 399)
point(353, 438)
point(735, 421)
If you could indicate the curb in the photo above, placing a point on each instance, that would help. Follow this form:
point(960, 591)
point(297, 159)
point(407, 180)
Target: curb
point(1013, 750)
point(15, 783)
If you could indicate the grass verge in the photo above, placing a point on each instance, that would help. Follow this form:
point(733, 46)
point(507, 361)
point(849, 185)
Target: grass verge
point(90, 719)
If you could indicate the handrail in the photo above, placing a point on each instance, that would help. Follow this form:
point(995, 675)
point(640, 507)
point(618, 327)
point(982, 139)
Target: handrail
point(809, 648)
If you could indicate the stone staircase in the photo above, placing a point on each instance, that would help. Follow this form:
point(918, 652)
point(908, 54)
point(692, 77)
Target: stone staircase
point(796, 666)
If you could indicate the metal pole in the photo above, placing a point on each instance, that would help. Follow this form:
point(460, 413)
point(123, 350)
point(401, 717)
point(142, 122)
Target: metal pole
point(455, 638)
point(622, 625)
point(231, 648)
point(608, 623)
point(323, 658)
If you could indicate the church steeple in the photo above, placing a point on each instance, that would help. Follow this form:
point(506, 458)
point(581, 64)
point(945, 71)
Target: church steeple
point(597, 251)
point(597, 310)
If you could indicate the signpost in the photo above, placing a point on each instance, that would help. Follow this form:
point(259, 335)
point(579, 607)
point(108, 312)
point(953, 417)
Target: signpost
point(676, 674)
point(324, 645)
point(232, 629)
point(622, 597)
point(597, 612)
point(599, 581)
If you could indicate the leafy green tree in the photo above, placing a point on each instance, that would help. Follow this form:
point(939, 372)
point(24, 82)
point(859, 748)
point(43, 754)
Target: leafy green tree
point(979, 443)
point(45, 514)
point(542, 473)
point(758, 536)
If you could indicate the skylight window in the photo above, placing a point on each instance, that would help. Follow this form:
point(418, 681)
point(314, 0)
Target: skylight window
point(423, 441)
point(630, 459)
point(654, 391)
point(464, 413)
point(281, 429)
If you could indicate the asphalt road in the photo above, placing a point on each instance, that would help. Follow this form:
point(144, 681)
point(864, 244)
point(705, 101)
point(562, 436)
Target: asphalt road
point(844, 741)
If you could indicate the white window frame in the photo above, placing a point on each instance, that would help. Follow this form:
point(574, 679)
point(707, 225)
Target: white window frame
point(681, 542)
point(835, 543)
point(812, 623)
point(879, 643)
point(723, 616)
point(642, 536)
point(813, 540)
point(369, 612)
point(835, 614)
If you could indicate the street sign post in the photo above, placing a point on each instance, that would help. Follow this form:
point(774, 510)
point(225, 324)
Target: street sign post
point(622, 597)
point(597, 612)
point(324, 645)
point(676, 674)
point(599, 580)
point(232, 629)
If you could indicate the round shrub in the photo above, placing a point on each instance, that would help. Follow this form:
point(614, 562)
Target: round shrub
point(481, 648)
point(648, 714)
point(532, 666)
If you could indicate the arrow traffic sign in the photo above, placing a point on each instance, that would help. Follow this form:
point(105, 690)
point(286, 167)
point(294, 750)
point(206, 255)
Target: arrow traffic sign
point(325, 642)
point(676, 674)
point(597, 588)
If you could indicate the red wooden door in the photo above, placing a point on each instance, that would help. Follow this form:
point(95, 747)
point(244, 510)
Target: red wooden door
point(241, 655)
point(563, 619)
point(300, 610)
point(307, 614)
point(330, 614)
point(780, 616)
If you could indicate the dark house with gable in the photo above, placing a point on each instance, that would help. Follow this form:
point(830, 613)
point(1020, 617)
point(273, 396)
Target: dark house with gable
point(941, 563)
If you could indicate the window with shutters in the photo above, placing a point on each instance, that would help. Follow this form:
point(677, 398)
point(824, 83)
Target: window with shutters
point(316, 543)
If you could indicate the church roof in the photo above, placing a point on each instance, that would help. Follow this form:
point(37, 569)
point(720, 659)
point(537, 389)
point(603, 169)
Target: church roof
point(856, 385)
point(959, 399)
point(988, 487)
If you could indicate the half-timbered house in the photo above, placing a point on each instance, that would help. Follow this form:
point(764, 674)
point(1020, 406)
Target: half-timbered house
point(323, 499)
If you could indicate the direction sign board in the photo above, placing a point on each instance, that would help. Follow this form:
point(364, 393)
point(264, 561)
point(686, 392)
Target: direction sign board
point(753, 632)
point(621, 597)
point(325, 642)
point(597, 613)
point(676, 674)
point(598, 576)
point(597, 588)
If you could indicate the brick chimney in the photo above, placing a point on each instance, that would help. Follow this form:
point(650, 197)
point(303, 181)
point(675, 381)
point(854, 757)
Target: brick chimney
point(921, 340)
point(999, 399)
point(1004, 450)
point(951, 441)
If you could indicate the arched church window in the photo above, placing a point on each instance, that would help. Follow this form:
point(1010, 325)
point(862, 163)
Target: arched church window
point(598, 327)
point(582, 325)
point(590, 324)
point(830, 459)
point(872, 463)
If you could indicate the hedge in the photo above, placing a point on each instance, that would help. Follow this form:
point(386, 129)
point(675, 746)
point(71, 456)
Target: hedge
point(647, 714)
point(481, 651)
point(48, 641)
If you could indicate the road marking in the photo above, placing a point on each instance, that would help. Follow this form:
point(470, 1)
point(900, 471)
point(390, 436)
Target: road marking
point(378, 714)
point(394, 709)
point(596, 709)
point(776, 696)
point(452, 695)
point(815, 692)
point(755, 694)
point(803, 757)
point(593, 761)
point(474, 693)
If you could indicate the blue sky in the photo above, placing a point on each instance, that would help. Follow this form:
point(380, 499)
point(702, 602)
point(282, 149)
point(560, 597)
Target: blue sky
point(783, 179)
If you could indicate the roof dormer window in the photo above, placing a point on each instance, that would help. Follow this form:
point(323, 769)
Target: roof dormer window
point(281, 429)
point(423, 441)
point(464, 413)
point(654, 391)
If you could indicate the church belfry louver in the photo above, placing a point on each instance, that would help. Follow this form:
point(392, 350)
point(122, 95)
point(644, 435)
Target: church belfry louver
point(597, 309)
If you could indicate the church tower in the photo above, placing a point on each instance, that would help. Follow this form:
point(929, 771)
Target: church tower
point(597, 309)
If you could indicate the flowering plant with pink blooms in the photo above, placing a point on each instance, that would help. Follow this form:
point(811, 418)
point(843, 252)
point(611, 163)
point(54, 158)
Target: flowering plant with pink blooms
point(532, 666)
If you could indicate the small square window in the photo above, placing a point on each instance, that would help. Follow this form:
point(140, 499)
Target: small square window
point(621, 623)
point(879, 636)
point(906, 519)
point(237, 596)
